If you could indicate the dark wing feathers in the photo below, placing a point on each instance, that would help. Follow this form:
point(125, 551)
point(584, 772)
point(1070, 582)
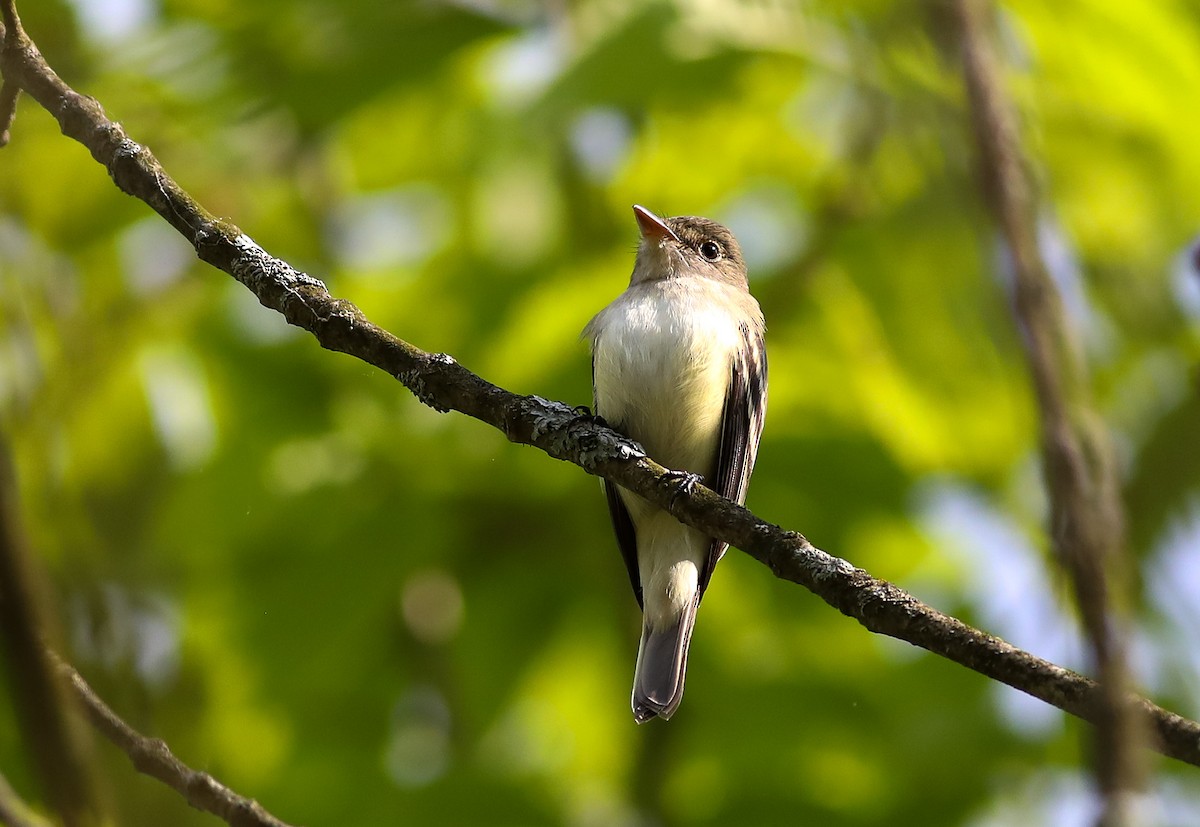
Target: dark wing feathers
point(626, 537)
point(741, 428)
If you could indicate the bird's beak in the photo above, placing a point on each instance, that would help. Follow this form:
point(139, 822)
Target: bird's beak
point(652, 227)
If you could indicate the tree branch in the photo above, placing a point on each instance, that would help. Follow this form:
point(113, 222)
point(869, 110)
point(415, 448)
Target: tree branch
point(153, 757)
point(10, 90)
point(1087, 522)
point(49, 732)
point(556, 428)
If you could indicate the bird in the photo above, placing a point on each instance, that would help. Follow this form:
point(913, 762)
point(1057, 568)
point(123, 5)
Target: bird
point(679, 365)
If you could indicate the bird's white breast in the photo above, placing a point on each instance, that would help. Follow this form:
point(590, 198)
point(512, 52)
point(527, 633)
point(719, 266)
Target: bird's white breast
point(662, 362)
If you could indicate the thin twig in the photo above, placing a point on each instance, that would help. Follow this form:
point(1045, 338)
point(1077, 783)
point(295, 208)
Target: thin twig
point(57, 745)
point(154, 758)
point(49, 733)
point(1086, 514)
point(9, 90)
point(556, 428)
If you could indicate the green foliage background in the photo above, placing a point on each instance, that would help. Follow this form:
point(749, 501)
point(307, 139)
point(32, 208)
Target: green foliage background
point(359, 611)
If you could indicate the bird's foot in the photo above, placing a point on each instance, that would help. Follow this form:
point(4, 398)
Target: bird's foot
point(604, 445)
point(685, 483)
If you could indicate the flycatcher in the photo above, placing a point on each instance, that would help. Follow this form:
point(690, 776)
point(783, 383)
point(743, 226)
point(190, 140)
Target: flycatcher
point(678, 364)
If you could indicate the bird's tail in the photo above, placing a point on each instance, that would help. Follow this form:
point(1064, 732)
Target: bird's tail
point(661, 663)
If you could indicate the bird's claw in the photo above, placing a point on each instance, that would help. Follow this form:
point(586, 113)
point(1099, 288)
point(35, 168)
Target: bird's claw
point(685, 483)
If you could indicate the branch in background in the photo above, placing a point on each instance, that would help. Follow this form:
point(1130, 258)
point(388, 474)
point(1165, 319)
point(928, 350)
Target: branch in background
point(842, 200)
point(8, 109)
point(9, 90)
point(154, 758)
point(49, 733)
point(1086, 516)
point(558, 430)
point(57, 746)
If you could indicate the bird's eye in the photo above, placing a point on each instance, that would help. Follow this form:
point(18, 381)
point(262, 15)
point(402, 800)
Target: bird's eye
point(711, 250)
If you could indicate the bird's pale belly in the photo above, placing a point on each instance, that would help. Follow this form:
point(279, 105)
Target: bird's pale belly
point(663, 382)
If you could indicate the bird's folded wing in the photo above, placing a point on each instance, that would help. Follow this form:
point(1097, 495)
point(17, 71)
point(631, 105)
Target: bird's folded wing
point(741, 428)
